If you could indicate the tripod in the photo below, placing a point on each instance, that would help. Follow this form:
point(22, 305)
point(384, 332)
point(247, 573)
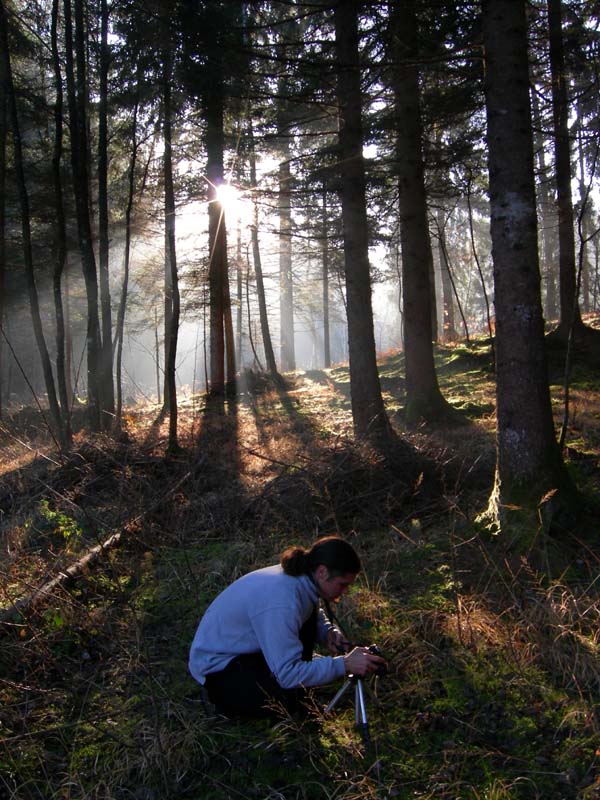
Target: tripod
point(360, 709)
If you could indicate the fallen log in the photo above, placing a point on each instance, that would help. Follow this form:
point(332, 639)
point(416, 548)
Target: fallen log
point(62, 580)
point(69, 575)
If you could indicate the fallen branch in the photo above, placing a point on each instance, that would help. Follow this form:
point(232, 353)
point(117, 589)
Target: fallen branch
point(63, 579)
point(69, 575)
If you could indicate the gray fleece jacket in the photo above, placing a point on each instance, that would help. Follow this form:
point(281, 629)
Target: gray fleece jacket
point(264, 611)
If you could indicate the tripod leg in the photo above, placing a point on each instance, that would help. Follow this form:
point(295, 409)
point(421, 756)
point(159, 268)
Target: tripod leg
point(361, 711)
point(339, 694)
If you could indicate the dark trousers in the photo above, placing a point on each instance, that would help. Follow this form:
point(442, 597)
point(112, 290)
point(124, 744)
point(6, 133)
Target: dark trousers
point(247, 688)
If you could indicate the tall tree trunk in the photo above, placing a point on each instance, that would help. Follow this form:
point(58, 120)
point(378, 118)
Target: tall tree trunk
point(157, 354)
point(60, 231)
point(290, 33)
point(239, 295)
point(423, 397)
point(77, 101)
point(172, 280)
point(107, 383)
point(286, 278)
point(569, 305)
point(368, 413)
point(3, 137)
point(585, 225)
point(217, 235)
point(547, 213)
point(529, 463)
point(19, 167)
point(69, 377)
point(325, 274)
point(228, 328)
point(260, 285)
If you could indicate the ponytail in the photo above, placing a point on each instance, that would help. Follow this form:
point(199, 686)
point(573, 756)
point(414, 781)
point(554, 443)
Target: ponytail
point(294, 561)
point(336, 554)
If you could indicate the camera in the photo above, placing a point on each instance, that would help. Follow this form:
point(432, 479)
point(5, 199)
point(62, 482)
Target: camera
point(381, 668)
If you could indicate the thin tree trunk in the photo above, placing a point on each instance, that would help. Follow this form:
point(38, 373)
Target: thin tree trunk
point(290, 32)
point(77, 100)
point(217, 236)
point(60, 231)
point(107, 382)
point(170, 257)
point(286, 278)
point(229, 334)
point(449, 328)
point(157, 355)
point(257, 360)
point(262, 305)
point(547, 213)
point(584, 226)
point(423, 397)
point(239, 295)
point(325, 275)
point(488, 315)
point(455, 291)
point(69, 377)
point(3, 137)
point(368, 413)
point(569, 304)
point(260, 286)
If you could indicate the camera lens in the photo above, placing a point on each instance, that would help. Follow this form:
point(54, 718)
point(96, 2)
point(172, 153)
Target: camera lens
point(381, 668)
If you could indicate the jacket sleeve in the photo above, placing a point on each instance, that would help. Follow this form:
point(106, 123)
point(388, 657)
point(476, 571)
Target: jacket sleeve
point(323, 627)
point(276, 630)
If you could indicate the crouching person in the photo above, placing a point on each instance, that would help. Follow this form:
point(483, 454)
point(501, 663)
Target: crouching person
point(253, 648)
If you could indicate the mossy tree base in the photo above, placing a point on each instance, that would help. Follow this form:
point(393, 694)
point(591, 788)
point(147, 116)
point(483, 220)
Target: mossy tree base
point(531, 520)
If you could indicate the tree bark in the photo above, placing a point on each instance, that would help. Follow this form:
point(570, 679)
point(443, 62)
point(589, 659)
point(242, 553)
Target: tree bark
point(529, 463)
point(423, 397)
point(368, 413)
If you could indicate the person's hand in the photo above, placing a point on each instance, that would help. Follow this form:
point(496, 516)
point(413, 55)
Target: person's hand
point(361, 662)
point(336, 642)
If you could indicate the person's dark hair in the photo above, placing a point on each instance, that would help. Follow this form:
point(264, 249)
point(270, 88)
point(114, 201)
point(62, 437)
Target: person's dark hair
point(336, 554)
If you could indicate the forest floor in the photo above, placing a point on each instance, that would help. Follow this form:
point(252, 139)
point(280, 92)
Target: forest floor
point(494, 653)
